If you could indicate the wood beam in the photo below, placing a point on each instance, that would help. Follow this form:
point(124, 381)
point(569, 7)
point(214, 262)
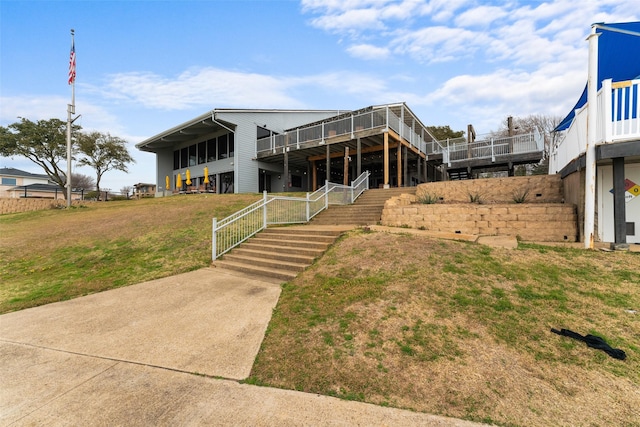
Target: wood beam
point(345, 180)
point(386, 160)
point(399, 165)
point(365, 150)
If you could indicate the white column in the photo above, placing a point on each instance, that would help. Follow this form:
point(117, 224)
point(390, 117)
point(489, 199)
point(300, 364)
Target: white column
point(590, 165)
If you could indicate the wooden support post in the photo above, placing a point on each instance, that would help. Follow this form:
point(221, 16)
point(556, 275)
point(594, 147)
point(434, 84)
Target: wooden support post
point(619, 208)
point(328, 177)
point(385, 166)
point(285, 174)
point(314, 176)
point(405, 167)
point(345, 179)
point(358, 157)
point(399, 165)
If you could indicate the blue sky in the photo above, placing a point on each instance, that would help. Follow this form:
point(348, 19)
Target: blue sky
point(146, 66)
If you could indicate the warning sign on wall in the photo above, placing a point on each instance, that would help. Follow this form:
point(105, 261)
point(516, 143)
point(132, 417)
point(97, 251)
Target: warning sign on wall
point(632, 190)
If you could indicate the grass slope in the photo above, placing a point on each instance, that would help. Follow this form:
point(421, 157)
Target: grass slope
point(52, 255)
point(443, 327)
point(462, 330)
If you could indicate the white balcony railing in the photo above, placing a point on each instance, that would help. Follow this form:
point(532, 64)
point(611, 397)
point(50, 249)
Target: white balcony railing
point(377, 118)
point(618, 120)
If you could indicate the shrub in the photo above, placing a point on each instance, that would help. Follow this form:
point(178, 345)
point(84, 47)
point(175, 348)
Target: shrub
point(428, 198)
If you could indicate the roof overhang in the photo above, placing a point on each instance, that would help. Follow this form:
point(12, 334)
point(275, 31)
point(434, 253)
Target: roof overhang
point(193, 129)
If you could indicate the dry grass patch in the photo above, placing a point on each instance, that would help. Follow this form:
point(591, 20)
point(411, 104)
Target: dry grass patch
point(53, 255)
point(462, 330)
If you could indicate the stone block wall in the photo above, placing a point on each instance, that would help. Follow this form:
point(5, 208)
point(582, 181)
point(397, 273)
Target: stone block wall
point(14, 205)
point(539, 189)
point(544, 218)
point(542, 222)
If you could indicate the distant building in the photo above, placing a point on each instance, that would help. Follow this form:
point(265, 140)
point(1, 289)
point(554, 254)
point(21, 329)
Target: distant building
point(144, 190)
point(15, 183)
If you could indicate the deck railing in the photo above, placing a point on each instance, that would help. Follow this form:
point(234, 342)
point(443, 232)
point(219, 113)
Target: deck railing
point(271, 210)
point(457, 150)
point(317, 134)
point(618, 120)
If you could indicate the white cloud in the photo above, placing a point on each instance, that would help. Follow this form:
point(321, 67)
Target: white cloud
point(367, 51)
point(439, 44)
point(201, 87)
point(32, 108)
point(481, 16)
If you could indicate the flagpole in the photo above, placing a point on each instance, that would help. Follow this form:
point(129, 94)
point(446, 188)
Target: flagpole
point(71, 109)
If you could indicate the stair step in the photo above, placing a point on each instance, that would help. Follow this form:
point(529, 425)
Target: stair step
point(275, 255)
point(263, 262)
point(298, 230)
point(258, 271)
point(288, 243)
point(299, 236)
point(283, 249)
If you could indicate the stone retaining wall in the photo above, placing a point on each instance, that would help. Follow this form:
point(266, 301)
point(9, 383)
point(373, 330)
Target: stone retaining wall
point(539, 189)
point(543, 216)
point(542, 222)
point(13, 205)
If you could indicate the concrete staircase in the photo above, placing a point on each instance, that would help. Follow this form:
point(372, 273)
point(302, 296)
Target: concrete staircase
point(281, 252)
point(367, 210)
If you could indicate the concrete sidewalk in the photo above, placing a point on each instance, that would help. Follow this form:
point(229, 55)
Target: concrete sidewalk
point(164, 352)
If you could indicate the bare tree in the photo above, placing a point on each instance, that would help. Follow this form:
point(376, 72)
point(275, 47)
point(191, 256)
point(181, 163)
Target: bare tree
point(83, 181)
point(126, 190)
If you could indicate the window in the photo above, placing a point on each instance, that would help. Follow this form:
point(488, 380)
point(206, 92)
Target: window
point(184, 157)
point(212, 149)
point(202, 152)
point(176, 159)
point(9, 181)
point(296, 181)
point(223, 149)
point(192, 155)
point(231, 145)
point(262, 133)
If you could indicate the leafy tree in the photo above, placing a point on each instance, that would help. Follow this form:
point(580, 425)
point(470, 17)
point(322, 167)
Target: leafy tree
point(443, 132)
point(43, 142)
point(103, 153)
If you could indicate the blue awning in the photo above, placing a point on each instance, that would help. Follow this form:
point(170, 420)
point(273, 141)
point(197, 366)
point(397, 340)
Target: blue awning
point(618, 59)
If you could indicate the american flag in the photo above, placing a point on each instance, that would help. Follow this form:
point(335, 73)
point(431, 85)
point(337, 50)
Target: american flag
point(72, 63)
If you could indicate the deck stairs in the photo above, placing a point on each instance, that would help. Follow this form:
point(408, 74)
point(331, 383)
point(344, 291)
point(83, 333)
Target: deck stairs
point(280, 253)
point(367, 210)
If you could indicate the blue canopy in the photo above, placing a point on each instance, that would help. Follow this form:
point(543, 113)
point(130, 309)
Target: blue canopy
point(618, 59)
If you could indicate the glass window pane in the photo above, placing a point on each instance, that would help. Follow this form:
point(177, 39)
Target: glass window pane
point(212, 150)
point(184, 157)
point(176, 159)
point(192, 155)
point(231, 145)
point(222, 147)
point(202, 152)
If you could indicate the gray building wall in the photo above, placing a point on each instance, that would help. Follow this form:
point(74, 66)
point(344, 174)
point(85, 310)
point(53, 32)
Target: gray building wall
point(246, 169)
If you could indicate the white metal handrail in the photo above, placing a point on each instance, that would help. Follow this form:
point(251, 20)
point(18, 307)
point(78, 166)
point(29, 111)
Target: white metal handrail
point(379, 118)
point(457, 150)
point(618, 120)
point(271, 210)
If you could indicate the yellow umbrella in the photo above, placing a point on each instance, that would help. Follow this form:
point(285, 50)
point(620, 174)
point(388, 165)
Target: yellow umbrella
point(188, 181)
point(167, 183)
point(178, 182)
point(206, 175)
